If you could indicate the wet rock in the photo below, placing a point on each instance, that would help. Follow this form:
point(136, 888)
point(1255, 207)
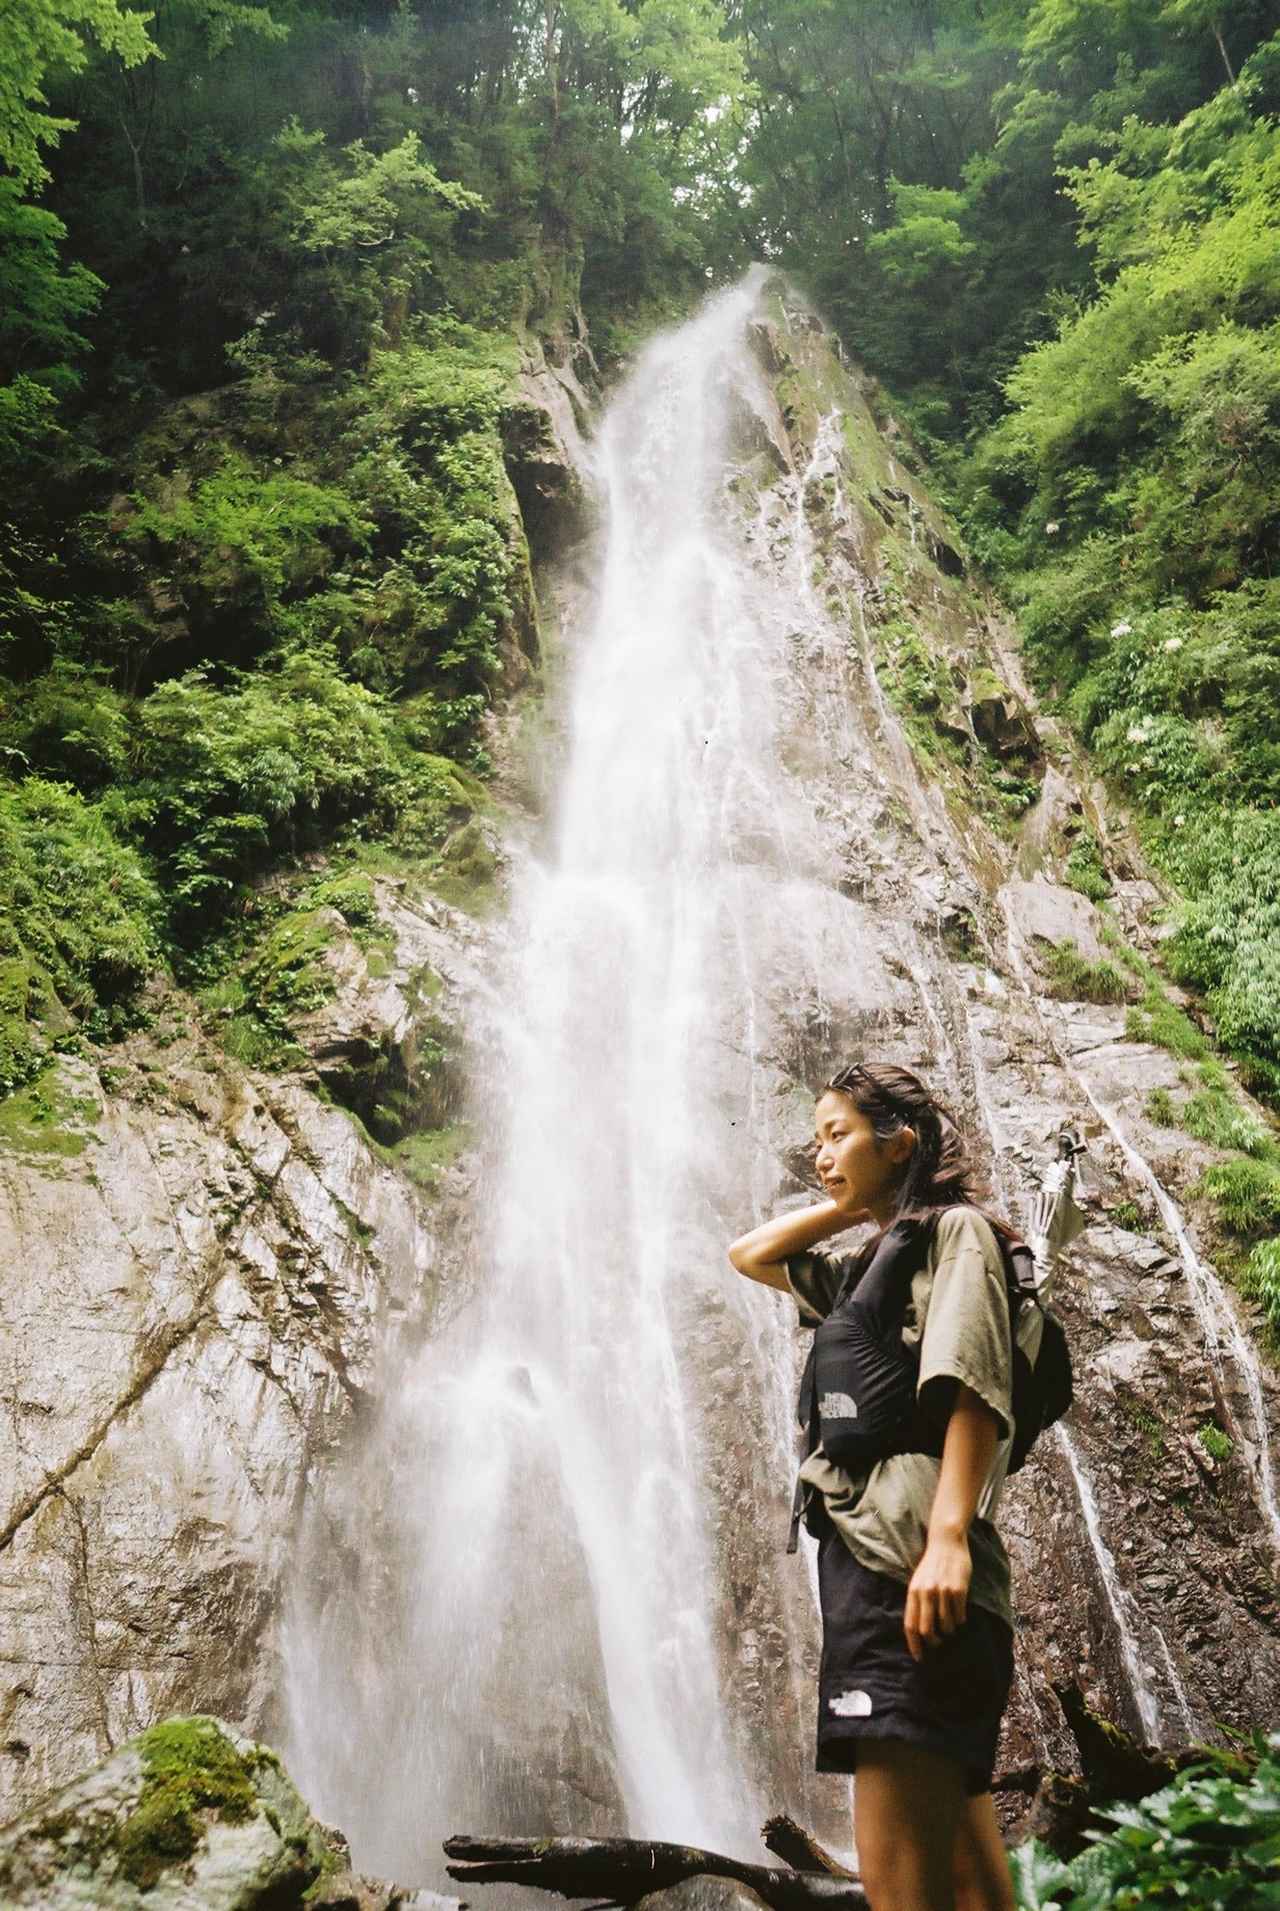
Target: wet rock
point(1000, 722)
point(768, 346)
point(207, 1263)
point(1046, 826)
point(546, 457)
point(189, 1813)
point(1047, 912)
point(946, 557)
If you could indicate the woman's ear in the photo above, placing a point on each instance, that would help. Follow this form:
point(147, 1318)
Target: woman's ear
point(902, 1145)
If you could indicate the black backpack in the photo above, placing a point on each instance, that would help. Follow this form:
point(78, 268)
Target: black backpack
point(858, 1394)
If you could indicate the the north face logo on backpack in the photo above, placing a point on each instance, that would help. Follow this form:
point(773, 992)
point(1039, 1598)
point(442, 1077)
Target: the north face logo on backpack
point(838, 1406)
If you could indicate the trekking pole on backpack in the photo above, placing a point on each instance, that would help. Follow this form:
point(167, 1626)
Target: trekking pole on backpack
point(1055, 1219)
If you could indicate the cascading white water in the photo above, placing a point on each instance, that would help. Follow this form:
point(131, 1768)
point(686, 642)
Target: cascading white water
point(561, 1645)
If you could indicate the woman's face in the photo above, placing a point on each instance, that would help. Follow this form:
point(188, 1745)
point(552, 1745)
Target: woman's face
point(858, 1171)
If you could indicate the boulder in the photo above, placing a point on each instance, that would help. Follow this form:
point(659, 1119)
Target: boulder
point(188, 1814)
point(1000, 723)
point(1048, 912)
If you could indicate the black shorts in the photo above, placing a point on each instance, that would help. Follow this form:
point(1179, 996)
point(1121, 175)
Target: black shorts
point(870, 1687)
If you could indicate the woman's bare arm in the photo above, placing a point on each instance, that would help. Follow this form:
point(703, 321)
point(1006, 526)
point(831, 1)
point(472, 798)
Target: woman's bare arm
point(760, 1255)
point(938, 1596)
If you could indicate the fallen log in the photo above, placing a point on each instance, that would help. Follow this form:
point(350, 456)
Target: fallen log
point(619, 1872)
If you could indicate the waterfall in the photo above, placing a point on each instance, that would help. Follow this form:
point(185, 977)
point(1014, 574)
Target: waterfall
point(559, 1648)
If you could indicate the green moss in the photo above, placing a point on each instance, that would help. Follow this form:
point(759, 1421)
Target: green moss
point(27, 1001)
point(425, 1156)
point(45, 1118)
point(284, 977)
point(467, 873)
point(1215, 1442)
point(351, 894)
point(190, 1767)
point(1073, 978)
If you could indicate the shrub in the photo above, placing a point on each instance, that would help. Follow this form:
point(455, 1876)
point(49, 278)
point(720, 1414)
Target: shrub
point(230, 777)
point(1215, 1117)
point(1085, 870)
point(1162, 1022)
point(239, 534)
point(1246, 1193)
point(1215, 1442)
point(1207, 1842)
point(1260, 1280)
point(79, 922)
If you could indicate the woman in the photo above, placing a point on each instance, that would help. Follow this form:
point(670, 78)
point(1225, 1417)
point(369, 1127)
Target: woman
point(917, 1654)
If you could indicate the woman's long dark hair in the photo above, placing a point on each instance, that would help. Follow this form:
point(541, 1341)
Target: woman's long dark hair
point(940, 1171)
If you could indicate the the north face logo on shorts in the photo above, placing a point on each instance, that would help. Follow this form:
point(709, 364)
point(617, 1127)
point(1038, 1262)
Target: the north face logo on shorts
point(850, 1705)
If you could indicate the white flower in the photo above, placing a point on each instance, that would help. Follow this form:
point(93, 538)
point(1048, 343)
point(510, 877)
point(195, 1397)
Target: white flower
point(1122, 629)
point(1178, 821)
point(1138, 732)
point(1172, 643)
point(1052, 528)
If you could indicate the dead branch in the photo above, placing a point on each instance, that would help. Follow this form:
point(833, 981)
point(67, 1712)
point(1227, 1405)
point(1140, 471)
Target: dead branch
point(619, 1872)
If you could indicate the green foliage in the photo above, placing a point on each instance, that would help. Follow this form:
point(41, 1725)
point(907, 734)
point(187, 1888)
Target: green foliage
point(1228, 936)
point(1215, 1116)
point(1215, 1442)
point(81, 921)
point(1162, 1022)
point(52, 35)
point(229, 777)
point(1245, 1192)
point(1073, 978)
point(1260, 1280)
point(1211, 1839)
point(1085, 870)
point(42, 302)
point(240, 535)
point(1160, 1108)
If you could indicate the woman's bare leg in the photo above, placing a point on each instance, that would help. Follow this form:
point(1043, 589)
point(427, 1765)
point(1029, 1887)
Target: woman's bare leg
point(907, 1810)
point(982, 1879)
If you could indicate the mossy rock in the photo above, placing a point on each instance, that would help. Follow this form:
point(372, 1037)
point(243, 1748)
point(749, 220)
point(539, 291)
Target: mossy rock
point(188, 1813)
point(53, 1117)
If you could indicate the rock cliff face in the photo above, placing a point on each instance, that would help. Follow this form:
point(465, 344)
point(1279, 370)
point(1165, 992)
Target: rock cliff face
point(210, 1266)
point(204, 1263)
point(1143, 1538)
point(205, 1266)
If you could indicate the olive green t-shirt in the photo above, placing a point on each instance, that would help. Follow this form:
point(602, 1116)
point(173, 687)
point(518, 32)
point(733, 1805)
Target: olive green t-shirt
point(958, 1314)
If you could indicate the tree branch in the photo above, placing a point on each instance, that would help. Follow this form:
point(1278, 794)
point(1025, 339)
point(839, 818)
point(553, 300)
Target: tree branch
point(619, 1872)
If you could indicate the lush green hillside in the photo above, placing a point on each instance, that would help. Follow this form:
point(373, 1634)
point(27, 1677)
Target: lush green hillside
point(1054, 229)
point(268, 275)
